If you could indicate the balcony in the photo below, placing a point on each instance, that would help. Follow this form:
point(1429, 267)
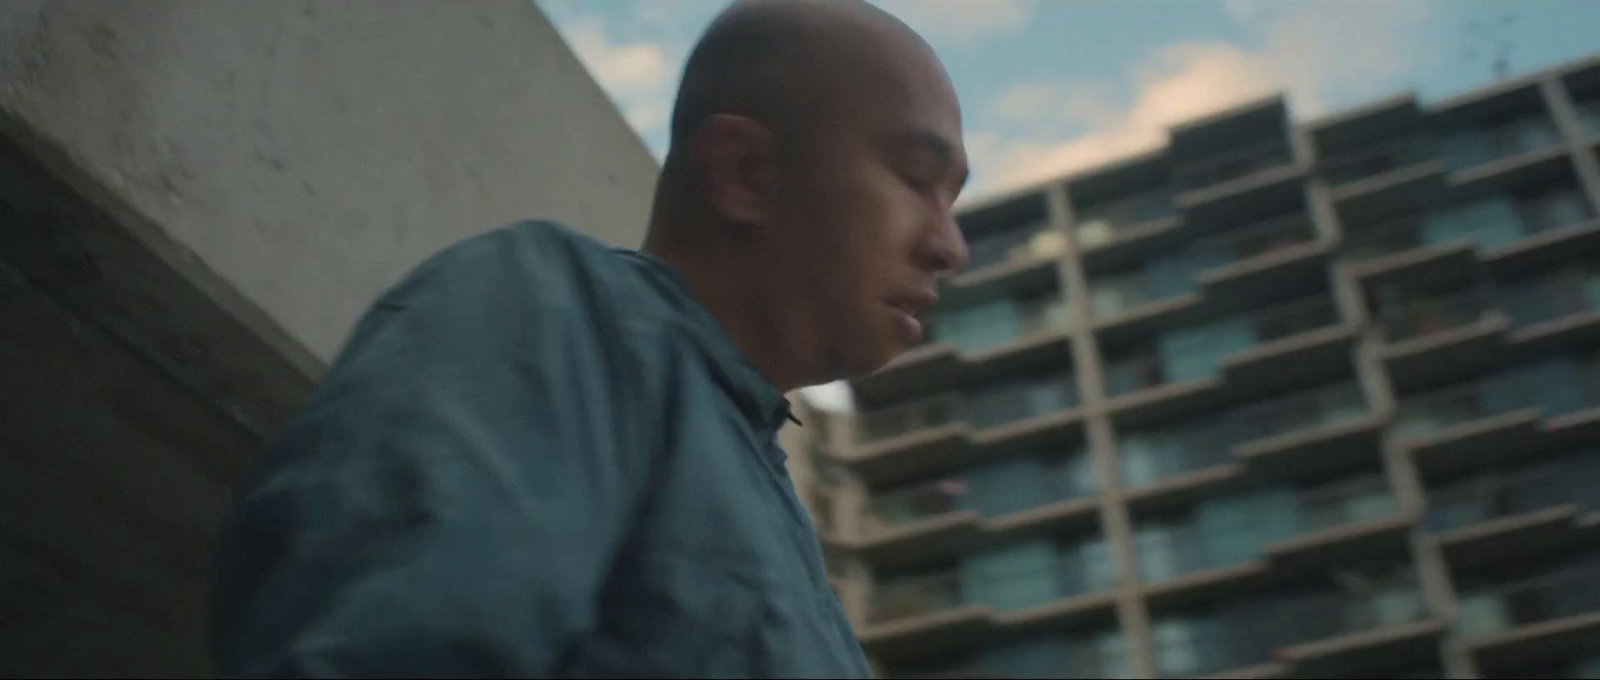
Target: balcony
point(1255, 526)
point(1377, 161)
point(1315, 632)
point(1585, 668)
point(1384, 246)
point(903, 419)
point(1499, 140)
point(1557, 219)
point(1418, 316)
point(999, 323)
point(1437, 334)
point(1556, 614)
point(1020, 399)
point(1495, 225)
point(946, 431)
point(1118, 296)
point(927, 500)
point(1222, 172)
point(1252, 252)
point(1008, 326)
point(1222, 258)
point(1128, 217)
point(1014, 246)
point(1514, 508)
point(1559, 303)
point(1197, 443)
point(916, 596)
point(1020, 587)
point(1058, 654)
point(1473, 418)
point(1018, 497)
point(1588, 111)
point(1201, 351)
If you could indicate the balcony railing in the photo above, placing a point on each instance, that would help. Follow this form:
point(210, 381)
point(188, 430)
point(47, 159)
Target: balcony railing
point(1417, 316)
point(1099, 224)
point(1022, 399)
point(923, 501)
point(998, 404)
point(1395, 236)
point(1428, 413)
point(997, 488)
point(1562, 481)
point(1336, 505)
point(1023, 242)
point(1378, 159)
point(911, 596)
point(909, 417)
point(1208, 440)
point(999, 322)
point(1300, 316)
point(1564, 293)
point(1138, 372)
point(1470, 148)
point(1252, 634)
point(1554, 209)
point(1199, 545)
point(1055, 655)
point(1254, 240)
point(1231, 165)
point(951, 586)
point(1116, 294)
point(1312, 408)
point(1553, 596)
point(1144, 369)
point(1589, 115)
point(1113, 295)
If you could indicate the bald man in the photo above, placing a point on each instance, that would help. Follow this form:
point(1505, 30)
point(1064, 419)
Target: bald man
point(540, 457)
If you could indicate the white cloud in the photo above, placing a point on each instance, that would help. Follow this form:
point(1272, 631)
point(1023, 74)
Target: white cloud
point(640, 76)
point(648, 114)
point(959, 20)
point(1311, 52)
point(624, 69)
point(1241, 10)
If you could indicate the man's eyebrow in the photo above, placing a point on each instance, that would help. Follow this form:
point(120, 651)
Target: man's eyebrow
point(940, 147)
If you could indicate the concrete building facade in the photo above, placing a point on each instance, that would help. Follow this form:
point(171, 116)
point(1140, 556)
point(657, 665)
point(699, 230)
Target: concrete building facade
point(197, 199)
point(1277, 400)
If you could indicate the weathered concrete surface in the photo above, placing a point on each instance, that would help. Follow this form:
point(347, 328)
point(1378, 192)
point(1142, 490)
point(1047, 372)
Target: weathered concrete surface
point(196, 200)
point(309, 152)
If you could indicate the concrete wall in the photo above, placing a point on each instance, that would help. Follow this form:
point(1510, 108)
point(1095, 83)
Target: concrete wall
point(310, 152)
point(197, 198)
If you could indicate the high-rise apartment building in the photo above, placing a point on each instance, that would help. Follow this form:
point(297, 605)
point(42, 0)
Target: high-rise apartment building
point(1277, 400)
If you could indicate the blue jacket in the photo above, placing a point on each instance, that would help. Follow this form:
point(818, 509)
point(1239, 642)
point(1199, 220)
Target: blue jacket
point(535, 456)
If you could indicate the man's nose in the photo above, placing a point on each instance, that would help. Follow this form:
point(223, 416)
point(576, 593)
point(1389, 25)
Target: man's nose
point(945, 250)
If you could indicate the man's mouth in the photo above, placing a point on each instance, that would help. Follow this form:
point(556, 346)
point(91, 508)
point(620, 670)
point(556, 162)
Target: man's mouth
point(914, 305)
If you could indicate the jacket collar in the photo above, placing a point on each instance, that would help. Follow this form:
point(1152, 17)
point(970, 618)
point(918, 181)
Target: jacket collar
point(757, 398)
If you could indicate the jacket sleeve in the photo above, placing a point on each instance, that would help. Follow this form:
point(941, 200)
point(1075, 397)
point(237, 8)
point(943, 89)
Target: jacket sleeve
point(450, 500)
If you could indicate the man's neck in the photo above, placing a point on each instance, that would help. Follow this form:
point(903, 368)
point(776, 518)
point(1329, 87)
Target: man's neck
point(735, 299)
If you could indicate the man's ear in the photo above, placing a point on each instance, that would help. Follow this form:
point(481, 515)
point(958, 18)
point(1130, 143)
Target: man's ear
point(736, 158)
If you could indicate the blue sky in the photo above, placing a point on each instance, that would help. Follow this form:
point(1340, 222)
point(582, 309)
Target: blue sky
point(1051, 86)
point(1048, 86)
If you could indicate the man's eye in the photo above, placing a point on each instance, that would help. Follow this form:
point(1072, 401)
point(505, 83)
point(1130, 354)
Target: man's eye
point(919, 182)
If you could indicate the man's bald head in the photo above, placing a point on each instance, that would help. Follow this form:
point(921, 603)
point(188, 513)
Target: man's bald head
point(793, 65)
point(816, 153)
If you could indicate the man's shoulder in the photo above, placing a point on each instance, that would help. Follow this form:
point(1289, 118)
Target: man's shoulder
point(535, 247)
point(531, 266)
point(531, 289)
